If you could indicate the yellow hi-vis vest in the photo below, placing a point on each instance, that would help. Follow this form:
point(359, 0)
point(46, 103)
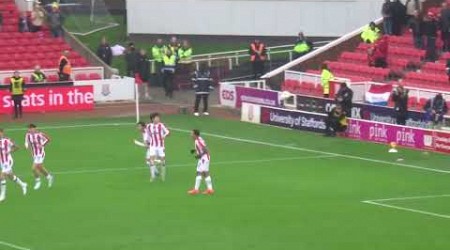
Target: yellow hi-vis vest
point(38, 77)
point(17, 85)
point(157, 52)
point(185, 54)
point(301, 47)
point(369, 35)
point(169, 61)
point(325, 78)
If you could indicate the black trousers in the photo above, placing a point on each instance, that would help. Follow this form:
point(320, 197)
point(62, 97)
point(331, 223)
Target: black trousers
point(257, 68)
point(168, 83)
point(64, 77)
point(333, 126)
point(401, 118)
point(198, 98)
point(17, 100)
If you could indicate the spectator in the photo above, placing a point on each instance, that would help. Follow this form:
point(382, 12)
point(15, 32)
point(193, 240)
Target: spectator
point(17, 89)
point(445, 26)
point(158, 51)
point(344, 98)
point(302, 46)
point(185, 52)
point(168, 71)
point(398, 17)
point(202, 85)
point(400, 99)
point(131, 57)
point(173, 46)
point(38, 76)
point(37, 17)
point(386, 12)
point(64, 68)
point(55, 21)
point(370, 33)
point(415, 26)
point(336, 121)
point(435, 109)
point(378, 53)
point(24, 23)
point(412, 6)
point(430, 29)
point(325, 77)
point(104, 52)
point(258, 55)
point(143, 69)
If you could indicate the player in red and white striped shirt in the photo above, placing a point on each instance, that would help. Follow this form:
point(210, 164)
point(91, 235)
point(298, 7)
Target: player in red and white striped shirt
point(7, 147)
point(36, 141)
point(156, 135)
point(202, 154)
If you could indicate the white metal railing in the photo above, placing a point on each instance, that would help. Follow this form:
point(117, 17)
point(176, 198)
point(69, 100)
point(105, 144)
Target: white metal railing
point(322, 49)
point(234, 58)
point(259, 84)
point(53, 71)
point(360, 88)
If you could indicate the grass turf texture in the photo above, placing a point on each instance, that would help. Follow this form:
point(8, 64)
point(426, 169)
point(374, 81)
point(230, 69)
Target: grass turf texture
point(118, 35)
point(267, 197)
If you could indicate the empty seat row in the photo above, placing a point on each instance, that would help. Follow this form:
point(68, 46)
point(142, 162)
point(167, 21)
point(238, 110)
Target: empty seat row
point(434, 68)
point(30, 41)
point(359, 70)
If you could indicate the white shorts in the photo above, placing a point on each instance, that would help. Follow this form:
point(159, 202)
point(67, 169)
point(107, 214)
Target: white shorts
point(203, 164)
point(38, 159)
point(6, 168)
point(158, 152)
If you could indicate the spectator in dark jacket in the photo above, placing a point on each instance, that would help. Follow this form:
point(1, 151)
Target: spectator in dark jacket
point(344, 97)
point(445, 26)
point(24, 25)
point(386, 12)
point(202, 85)
point(415, 26)
point(430, 29)
point(143, 69)
point(435, 109)
point(400, 99)
point(398, 17)
point(104, 52)
point(131, 57)
point(55, 21)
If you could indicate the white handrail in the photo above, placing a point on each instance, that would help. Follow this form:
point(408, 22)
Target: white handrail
point(334, 43)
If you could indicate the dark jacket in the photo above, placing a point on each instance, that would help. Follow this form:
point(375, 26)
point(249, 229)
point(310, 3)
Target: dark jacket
point(24, 25)
point(131, 58)
point(416, 26)
point(105, 53)
point(202, 82)
point(344, 97)
point(445, 20)
point(400, 101)
point(143, 67)
point(439, 106)
point(430, 28)
point(386, 9)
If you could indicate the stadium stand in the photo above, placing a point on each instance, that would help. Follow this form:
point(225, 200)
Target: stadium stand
point(22, 51)
point(406, 65)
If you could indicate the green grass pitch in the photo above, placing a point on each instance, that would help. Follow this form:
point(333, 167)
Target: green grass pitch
point(275, 189)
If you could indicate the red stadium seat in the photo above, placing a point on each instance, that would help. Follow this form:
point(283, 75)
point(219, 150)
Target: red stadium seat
point(94, 76)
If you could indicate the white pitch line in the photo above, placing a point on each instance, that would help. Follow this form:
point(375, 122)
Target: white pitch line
point(3, 243)
point(408, 209)
point(261, 143)
point(102, 170)
point(412, 198)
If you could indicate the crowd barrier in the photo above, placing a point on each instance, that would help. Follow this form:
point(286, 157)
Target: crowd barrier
point(362, 130)
point(70, 96)
point(99, 71)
